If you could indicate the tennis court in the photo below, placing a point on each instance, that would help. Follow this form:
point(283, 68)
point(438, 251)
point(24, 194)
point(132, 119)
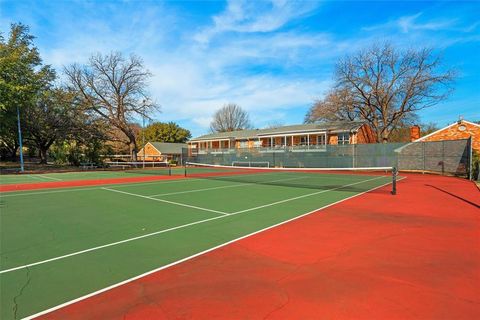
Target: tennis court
point(64, 243)
point(86, 175)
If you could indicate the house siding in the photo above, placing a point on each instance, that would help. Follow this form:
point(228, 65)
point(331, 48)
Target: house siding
point(151, 153)
point(294, 135)
point(453, 133)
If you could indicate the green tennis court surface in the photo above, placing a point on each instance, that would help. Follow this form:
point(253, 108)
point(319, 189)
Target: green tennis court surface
point(58, 245)
point(87, 175)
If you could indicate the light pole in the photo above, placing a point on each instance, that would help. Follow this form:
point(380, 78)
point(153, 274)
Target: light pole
point(143, 131)
point(22, 169)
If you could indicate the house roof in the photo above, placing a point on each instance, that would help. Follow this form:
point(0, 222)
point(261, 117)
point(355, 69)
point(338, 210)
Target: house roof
point(451, 125)
point(435, 132)
point(334, 126)
point(168, 147)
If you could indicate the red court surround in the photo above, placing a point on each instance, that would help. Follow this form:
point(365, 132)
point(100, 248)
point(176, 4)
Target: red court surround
point(411, 256)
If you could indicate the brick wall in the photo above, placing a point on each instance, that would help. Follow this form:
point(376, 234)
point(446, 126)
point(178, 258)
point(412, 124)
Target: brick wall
point(151, 153)
point(365, 135)
point(454, 133)
point(333, 139)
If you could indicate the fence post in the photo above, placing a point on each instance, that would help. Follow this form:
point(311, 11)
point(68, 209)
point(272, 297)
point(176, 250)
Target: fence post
point(423, 156)
point(470, 160)
point(353, 155)
point(443, 157)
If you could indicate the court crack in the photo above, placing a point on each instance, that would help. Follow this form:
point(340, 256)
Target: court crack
point(15, 303)
point(287, 301)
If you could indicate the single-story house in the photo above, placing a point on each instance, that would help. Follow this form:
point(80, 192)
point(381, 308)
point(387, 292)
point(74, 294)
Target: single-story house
point(161, 151)
point(460, 129)
point(304, 136)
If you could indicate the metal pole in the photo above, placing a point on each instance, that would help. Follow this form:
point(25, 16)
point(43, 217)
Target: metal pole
point(470, 166)
point(143, 133)
point(22, 168)
point(394, 181)
point(423, 156)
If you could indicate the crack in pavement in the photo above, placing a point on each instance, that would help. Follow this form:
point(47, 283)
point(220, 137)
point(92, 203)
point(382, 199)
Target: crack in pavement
point(15, 303)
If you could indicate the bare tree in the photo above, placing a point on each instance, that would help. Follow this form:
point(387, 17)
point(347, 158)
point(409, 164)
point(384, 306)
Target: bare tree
point(386, 87)
point(115, 89)
point(230, 117)
point(336, 106)
point(274, 124)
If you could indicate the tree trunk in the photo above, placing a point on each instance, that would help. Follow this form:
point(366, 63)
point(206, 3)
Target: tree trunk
point(13, 153)
point(43, 155)
point(385, 135)
point(133, 149)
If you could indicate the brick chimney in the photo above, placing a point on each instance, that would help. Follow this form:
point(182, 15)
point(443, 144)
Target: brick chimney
point(414, 133)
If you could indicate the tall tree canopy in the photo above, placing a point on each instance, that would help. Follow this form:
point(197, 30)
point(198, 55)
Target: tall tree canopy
point(56, 117)
point(230, 117)
point(166, 132)
point(23, 78)
point(384, 86)
point(115, 88)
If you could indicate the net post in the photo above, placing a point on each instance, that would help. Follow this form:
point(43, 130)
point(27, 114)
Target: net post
point(185, 169)
point(394, 180)
point(169, 170)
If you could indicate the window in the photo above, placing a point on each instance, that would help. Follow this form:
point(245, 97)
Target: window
point(244, 144)
point(303, 141)
point(321, 140)
point(344, 138)
point(279, 141)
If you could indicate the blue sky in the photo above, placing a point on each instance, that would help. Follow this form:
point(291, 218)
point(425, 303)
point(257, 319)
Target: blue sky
point(273, 58)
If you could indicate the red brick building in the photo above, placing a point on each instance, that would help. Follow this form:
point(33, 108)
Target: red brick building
point(312, 136)
point(461, 129)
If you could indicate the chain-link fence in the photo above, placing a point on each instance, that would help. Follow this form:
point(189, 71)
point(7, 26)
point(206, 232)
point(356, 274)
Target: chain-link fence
point(446, 157)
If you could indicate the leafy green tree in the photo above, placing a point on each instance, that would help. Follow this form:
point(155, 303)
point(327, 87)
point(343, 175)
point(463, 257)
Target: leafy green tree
point(22, 77)
point(56, 117)
point(166, 132)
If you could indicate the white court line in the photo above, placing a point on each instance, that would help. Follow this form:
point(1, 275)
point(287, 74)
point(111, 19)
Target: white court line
point(166, 201)
point(45, 176)
point(194, 255)
point(305, 195)
point(96, 188)
point(224, 187)
point(35, 177)
point(136, 238)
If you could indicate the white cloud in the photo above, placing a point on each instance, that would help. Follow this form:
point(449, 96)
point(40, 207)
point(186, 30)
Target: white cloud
point(255, 16)
point(412, 23)
point(251, 53)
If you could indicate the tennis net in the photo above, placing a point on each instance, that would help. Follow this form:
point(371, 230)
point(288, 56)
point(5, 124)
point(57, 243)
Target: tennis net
point(353, 179)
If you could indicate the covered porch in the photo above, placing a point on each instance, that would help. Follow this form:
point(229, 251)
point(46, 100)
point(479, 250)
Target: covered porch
point(295, 141)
